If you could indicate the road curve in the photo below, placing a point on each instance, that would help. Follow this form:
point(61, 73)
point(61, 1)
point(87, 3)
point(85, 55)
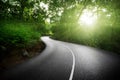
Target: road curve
point(67, 61)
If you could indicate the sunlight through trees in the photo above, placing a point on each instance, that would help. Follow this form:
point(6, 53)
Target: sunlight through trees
point(80, 21)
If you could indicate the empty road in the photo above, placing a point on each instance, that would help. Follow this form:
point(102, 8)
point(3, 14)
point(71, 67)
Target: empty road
point(67, 61)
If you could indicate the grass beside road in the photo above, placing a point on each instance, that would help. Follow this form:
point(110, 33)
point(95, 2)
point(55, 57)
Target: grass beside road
point(103, 37)
point(16, 36)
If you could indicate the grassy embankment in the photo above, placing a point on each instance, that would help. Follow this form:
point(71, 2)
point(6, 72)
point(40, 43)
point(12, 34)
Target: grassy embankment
point(17, 36)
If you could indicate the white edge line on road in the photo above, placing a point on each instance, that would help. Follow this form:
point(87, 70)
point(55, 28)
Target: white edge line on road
point(73, 65)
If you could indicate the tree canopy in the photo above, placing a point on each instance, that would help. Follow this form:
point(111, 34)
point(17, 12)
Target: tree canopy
point(68, 17)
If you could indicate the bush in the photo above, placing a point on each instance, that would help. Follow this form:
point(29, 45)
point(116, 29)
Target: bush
point(17, 34)
point(104, 37)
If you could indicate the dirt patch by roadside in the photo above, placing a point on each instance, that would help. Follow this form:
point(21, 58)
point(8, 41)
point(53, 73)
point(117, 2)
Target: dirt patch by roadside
point(15, 57)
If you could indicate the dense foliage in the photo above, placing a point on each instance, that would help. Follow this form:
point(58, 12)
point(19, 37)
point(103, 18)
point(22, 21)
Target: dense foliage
point(103, 34)
point(22, 23)
point(62, 16)
point(17, 34)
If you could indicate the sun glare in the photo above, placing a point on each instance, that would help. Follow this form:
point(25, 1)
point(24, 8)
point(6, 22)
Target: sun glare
point(87, 18)
point(44, 6)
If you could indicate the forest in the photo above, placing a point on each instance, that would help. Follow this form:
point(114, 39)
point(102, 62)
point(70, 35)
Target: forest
point(93, 23)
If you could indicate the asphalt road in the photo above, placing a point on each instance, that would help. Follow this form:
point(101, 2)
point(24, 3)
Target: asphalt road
point(67, 61)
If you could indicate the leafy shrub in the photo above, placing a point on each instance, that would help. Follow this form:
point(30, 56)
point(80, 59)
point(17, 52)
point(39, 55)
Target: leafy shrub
point(104, 37)
point(17, 34)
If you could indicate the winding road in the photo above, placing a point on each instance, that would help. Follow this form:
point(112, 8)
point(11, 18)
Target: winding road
point(67, 61)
